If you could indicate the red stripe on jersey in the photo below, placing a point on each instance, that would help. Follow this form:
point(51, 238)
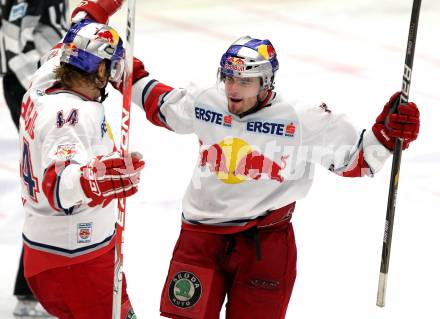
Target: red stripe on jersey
point(359, 167)
point(153, 101)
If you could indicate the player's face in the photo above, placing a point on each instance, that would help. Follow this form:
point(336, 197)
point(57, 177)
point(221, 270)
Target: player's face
point(242, 93)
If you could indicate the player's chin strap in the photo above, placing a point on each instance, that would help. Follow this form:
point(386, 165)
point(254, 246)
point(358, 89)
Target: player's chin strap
point(101, 87)
point(104, 94)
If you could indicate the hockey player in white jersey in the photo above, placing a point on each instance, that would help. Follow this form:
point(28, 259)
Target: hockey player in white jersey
point(71, 174)
point(257, 157)
point(257, 154)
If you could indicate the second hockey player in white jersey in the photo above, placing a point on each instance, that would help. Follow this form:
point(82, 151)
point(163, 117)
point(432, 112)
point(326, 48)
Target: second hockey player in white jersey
point(71, 174)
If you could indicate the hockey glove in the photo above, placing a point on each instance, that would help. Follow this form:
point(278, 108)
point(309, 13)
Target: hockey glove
point(404, 124)
point(97, 10)
point(112, 176)
point(139, 72)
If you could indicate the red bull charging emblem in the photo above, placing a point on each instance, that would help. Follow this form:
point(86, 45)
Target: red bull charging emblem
point(235, 64)
point(71, 49)
point(109, 35)
point(234, 161)
point(266, 51)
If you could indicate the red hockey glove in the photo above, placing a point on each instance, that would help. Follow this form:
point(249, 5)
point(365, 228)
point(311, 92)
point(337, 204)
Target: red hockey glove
point(139, 72)
point(404, 124)
point(98, 10)
point(107, 177)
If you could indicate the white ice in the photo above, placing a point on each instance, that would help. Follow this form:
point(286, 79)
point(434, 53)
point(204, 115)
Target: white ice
point(349, 54)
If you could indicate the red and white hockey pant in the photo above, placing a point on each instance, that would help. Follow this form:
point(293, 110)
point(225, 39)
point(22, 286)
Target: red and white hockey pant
point(81, 291)
point(256, 270)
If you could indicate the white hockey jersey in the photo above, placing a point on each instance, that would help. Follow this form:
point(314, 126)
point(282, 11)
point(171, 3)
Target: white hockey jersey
point(59, 126)
point(251, 165)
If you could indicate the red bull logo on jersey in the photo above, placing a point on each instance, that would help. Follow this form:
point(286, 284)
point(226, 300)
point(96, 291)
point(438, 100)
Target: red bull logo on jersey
point(234, 161)
point(66, 152)
point(255, 165)
point(235, 64)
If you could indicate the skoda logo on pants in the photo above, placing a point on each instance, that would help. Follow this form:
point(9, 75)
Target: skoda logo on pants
point(185, 290)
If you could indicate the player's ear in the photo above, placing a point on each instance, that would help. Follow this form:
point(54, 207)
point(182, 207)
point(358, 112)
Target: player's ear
point(102, 75)
point(262, 95)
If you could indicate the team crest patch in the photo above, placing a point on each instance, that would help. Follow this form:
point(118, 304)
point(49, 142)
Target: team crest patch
point(185, 290)
point(65, 152)
point(84, 233)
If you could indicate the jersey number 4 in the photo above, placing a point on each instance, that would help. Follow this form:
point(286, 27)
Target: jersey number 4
point(72, 118)
point(26, 172)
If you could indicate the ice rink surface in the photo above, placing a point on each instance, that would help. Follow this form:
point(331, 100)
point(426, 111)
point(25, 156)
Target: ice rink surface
point(349, 54)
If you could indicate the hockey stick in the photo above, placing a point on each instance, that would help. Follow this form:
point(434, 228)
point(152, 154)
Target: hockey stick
point(395, 170)
point(125, 126)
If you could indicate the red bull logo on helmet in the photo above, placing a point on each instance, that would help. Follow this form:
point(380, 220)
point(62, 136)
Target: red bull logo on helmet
point(71, 49)
point(111, 36)
point(234, 161)
point(266, 51)
point(235, 64)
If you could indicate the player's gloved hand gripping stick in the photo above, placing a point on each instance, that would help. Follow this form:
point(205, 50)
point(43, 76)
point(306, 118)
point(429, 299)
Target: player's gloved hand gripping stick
point(105, 178)
point(404, 124)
